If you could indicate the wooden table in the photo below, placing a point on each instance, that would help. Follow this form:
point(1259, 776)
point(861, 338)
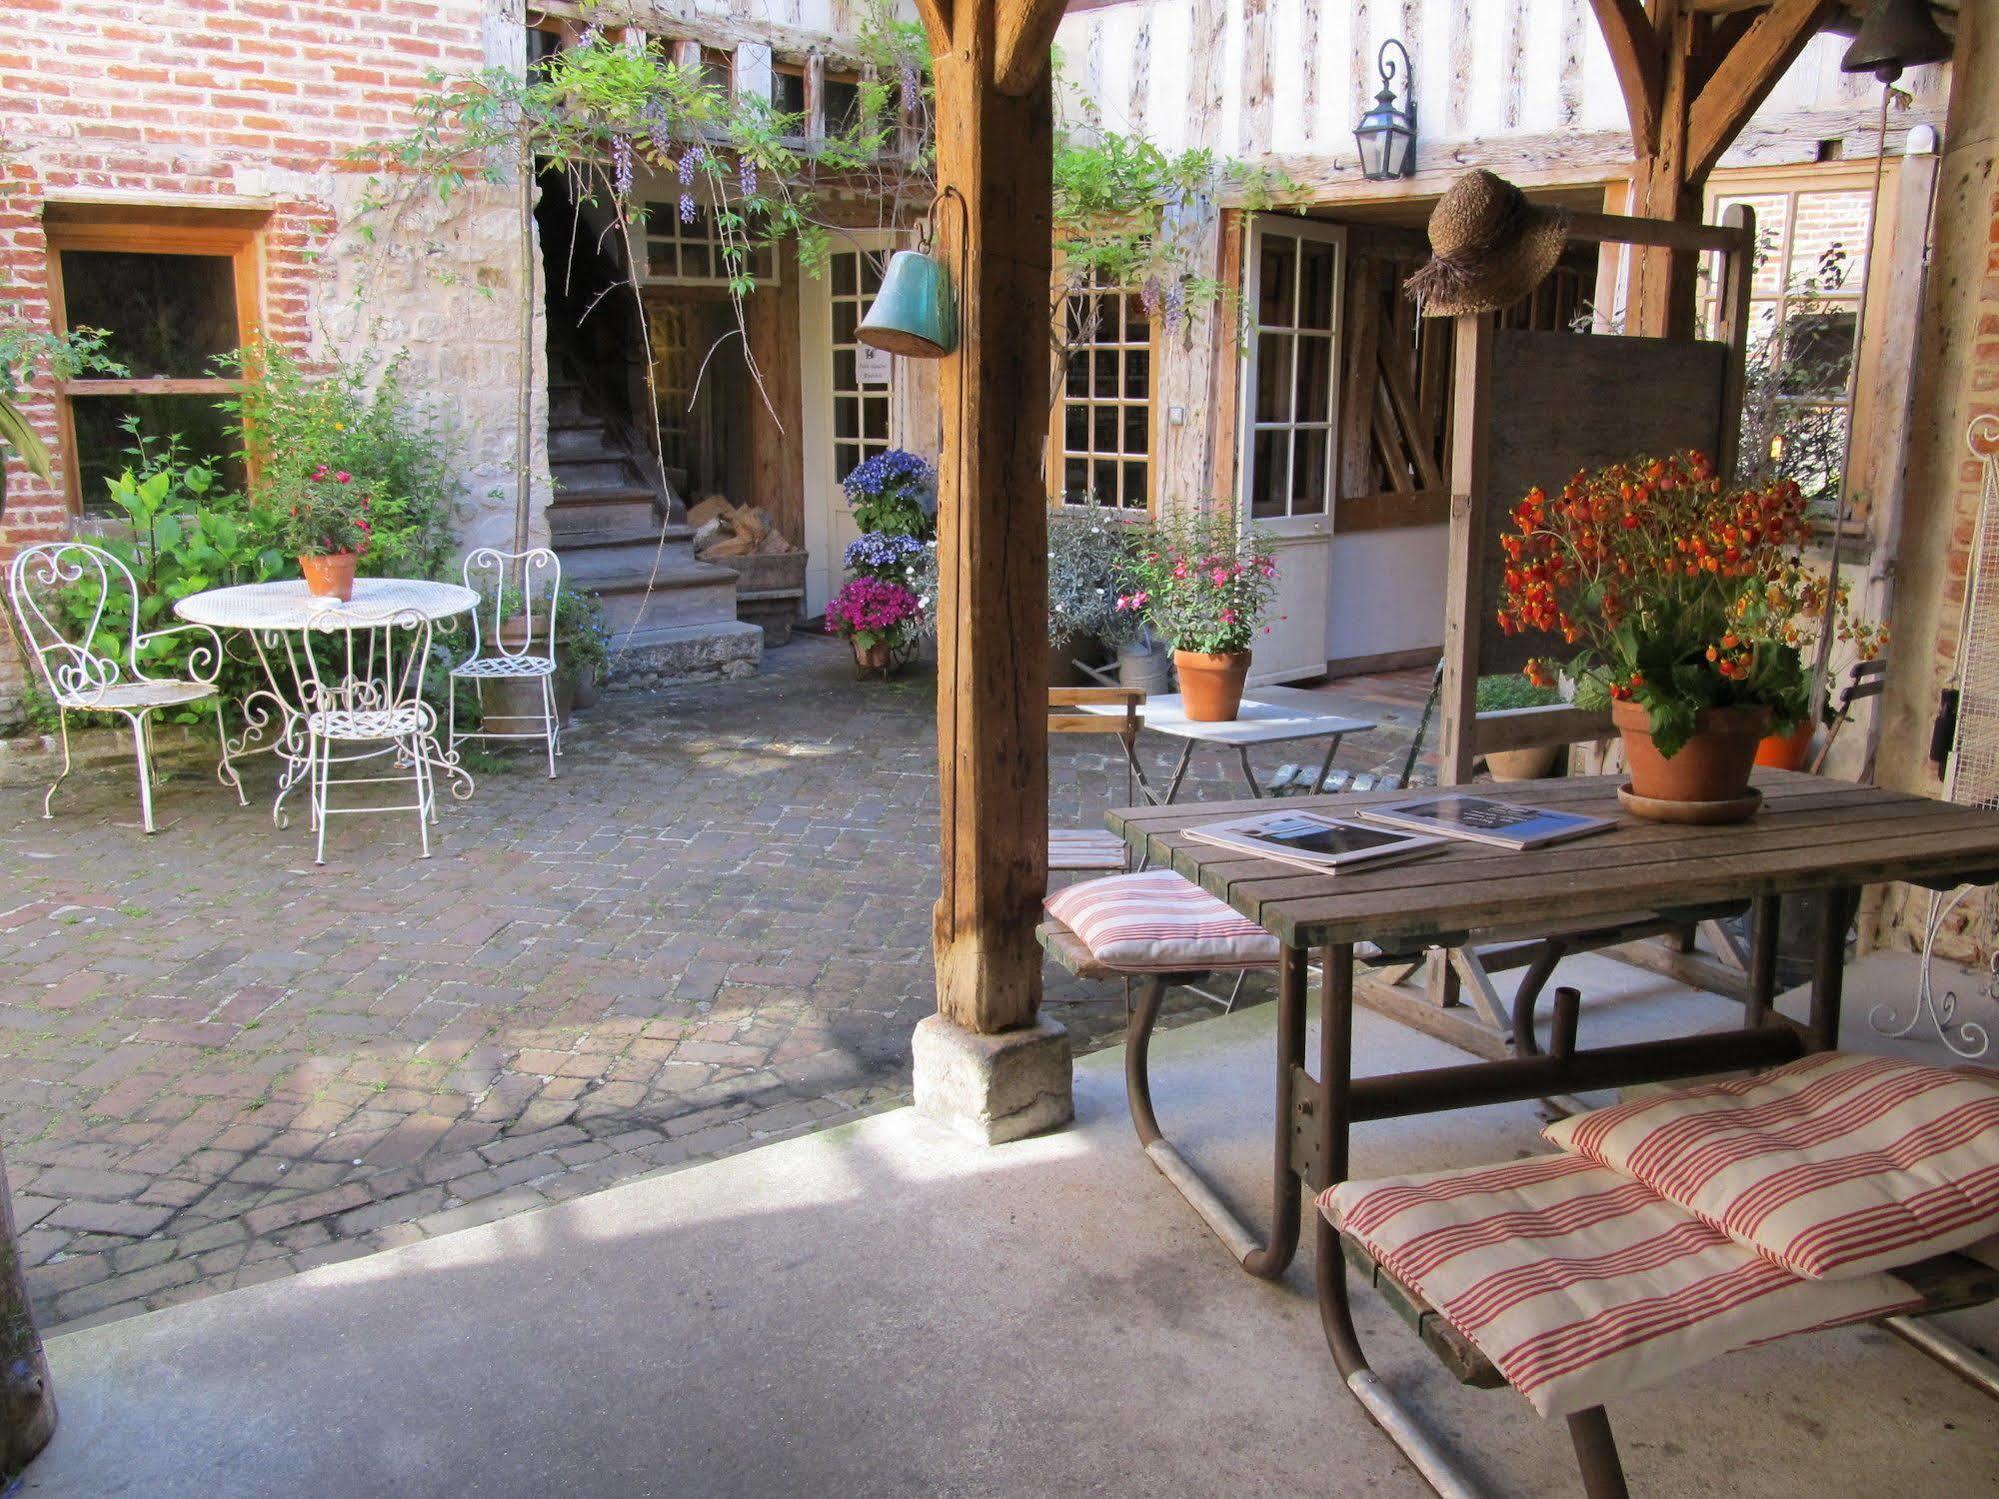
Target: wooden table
point(1812, 835)
point(1269, 715)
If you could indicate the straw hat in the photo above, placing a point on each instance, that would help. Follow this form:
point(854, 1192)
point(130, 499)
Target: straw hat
point(1489, 247)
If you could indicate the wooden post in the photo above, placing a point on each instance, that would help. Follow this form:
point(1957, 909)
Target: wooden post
point(27, 1400)
point(995, 165)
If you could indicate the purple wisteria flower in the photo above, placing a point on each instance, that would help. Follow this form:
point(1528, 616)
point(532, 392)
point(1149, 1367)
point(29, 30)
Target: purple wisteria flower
point(746, 176)
point(621, 164)
point(689, 160)
point(687, 208)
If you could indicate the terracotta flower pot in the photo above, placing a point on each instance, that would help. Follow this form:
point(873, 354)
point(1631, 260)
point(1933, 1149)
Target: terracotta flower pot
point(1211, 683)
point(878, 657)
point(1787, 751)
point(1532, 764)
point(330, 576)
point(1712, 766)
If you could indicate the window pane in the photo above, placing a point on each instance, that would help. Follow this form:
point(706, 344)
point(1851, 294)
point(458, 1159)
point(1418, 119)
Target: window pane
point(787, 96)
point(843, 105)
point(1315, 380)
point(1104, 432)
point(1104, 481)
point(1308, 475)
point(1274, 277)
point(1076, 429)
point(1134, 485)
point(1075, 479)
point(874, 414)
point(101, 442)
point(1138, 374)
point(846, 458)
point(1315, 299)
point(1077, 380)
point(1273, 377)
point(846, 375)
point(847, 416)
point(1136, 329)
point(695, 261)
point(871, 272)
point(1818, 353)
point(1270, 478)
point(167, 314)
point(846, 318)
point(1105, 382)
point(1137, 430)
point(844, 272)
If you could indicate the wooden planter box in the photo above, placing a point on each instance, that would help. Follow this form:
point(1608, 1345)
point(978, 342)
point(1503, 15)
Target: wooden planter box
point(770, 590)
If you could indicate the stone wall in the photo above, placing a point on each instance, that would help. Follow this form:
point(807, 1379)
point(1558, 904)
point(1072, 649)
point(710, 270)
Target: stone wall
point(254, 104)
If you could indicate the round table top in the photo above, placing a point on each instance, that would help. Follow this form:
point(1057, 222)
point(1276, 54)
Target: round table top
point(287, 605)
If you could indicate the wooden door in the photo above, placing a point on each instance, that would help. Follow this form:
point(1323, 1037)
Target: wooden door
point(851, 401)
point(1292, 277)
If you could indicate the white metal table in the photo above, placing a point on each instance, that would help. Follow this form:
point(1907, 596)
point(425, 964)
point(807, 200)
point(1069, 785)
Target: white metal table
point(1269, 715)
point(275, 617)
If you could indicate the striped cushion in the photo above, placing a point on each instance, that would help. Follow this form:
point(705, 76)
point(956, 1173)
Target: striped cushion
point(1580, 1284)
point(1833, 1165)
point(1156, 922)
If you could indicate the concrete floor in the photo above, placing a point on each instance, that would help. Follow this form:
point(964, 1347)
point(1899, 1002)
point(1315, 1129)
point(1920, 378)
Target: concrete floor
point(881, 1309)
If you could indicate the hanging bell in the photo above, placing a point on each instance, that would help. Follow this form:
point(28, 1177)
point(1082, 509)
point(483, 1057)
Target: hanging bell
point(914, 313)
point(1896, 34)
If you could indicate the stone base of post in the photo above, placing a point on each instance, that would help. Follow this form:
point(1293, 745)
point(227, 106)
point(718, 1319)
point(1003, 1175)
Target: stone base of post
point(994, 1088)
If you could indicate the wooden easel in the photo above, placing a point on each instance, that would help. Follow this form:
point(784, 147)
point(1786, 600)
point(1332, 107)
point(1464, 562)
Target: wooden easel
point(1532, 408)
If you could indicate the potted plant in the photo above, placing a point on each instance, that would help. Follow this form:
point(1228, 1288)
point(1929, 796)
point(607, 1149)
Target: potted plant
point(1675, 581)
point(895, 493)
point(881, 620)
point(1204, 583)
point(1089, 568)
point(1503, 693)
point(1799, 609)
point(326, 527)
point(582, 642)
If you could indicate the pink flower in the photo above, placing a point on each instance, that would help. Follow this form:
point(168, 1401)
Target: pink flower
point(1180, 570)
point(1228, 616)
point(1220, 576)
point(343, 477)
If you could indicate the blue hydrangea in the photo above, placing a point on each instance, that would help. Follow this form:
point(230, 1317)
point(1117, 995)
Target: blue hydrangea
point(877, 551)
point(892, 472)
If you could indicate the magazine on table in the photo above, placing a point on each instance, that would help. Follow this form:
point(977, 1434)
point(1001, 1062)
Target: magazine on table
point(1313, 841)
point(1482, 819)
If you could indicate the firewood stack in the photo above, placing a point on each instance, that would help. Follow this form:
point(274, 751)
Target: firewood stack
point(723, 530)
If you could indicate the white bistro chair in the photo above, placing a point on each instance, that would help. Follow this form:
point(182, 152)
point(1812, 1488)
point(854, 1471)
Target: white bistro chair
point(363, 703)
point(521, 651)
point(52, 584)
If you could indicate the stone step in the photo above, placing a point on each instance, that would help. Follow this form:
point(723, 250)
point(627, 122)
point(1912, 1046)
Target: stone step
point(572, 474)
point(679, 592)
point(580, 441)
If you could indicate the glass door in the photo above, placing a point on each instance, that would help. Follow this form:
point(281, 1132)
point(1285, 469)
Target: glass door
point(1293, 282)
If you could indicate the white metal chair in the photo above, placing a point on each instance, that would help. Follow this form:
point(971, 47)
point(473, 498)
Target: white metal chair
point(54, 581)
point(523, 651)
point(364, 695)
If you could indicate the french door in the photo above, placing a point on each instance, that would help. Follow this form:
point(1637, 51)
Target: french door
point(1293, 279)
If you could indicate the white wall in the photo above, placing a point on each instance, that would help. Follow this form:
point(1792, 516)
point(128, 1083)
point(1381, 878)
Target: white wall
point(1388, 592)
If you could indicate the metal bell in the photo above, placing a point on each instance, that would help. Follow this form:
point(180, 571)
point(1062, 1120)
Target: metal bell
point(914, 314)
point(1896, 34)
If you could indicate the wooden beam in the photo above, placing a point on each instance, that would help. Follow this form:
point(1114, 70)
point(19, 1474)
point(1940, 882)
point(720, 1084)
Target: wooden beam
point(1465, 612)
point(1023, 34)
point(995, 164)
point(1635, 54)
point(1744, 77)
point(1662, 280)
point(937, 17)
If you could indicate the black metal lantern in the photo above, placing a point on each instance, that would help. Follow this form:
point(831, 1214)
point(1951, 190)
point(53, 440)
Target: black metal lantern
point(1386, 134)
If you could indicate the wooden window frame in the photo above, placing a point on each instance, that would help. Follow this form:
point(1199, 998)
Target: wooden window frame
point(142, 231)
point(860, 393)
point(1058, 450)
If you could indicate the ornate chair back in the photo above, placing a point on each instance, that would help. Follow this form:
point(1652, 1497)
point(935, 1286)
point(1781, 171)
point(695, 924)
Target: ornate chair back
point(53, 584)
point(518, 593)
point(363, 665)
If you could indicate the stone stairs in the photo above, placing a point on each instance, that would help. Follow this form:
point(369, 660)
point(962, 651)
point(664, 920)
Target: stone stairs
point(622, 534)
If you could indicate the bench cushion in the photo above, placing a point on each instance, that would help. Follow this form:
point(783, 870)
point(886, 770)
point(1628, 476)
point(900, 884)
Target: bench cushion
point(1836, 1164)
point(1157, 922)
point(1580, 1284)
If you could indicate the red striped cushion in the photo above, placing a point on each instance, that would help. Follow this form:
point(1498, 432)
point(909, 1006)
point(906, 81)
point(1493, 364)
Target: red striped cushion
point(1157, 922)
point(1836, 1164)
point(1580, 1284)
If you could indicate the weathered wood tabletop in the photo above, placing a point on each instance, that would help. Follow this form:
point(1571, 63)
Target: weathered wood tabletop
point(1812, 833)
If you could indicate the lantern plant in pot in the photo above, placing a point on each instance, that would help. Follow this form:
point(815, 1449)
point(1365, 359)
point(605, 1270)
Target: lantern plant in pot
point(1675, 583)
point(327, 528)
point(1204, 583)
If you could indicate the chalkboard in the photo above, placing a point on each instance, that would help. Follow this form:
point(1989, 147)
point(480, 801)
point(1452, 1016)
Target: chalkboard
point(1559, 402)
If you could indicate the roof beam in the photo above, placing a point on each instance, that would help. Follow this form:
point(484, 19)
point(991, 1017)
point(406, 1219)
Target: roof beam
point(1745, 76)
point(1633, 43)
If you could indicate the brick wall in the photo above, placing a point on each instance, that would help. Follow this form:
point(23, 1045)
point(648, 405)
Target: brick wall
point(257, 100)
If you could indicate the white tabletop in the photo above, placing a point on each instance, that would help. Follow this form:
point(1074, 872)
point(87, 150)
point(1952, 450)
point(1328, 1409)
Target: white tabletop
point(288, 606)
point(1269, 715)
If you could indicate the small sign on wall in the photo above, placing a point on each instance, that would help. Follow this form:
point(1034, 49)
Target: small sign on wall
point(872, 366)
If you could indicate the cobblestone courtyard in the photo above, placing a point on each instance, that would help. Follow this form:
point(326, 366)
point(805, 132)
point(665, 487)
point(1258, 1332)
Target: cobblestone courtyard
point(219, 1064)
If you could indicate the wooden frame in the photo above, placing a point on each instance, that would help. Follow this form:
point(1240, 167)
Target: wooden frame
point(1059, 451)
point(142, 230)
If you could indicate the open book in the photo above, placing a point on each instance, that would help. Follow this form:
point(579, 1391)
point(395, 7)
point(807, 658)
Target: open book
point(1311, 840)
point(1480, 819)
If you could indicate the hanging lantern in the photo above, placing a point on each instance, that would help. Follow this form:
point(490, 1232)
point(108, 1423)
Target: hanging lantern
point(1896, 34)
point(1386, 134)
point(914, 314)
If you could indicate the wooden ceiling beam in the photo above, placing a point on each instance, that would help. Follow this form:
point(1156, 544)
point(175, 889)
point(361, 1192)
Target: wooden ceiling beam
point(1023, 36)
point(1744, 77)
point(1633, 43)
point(937, 17)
